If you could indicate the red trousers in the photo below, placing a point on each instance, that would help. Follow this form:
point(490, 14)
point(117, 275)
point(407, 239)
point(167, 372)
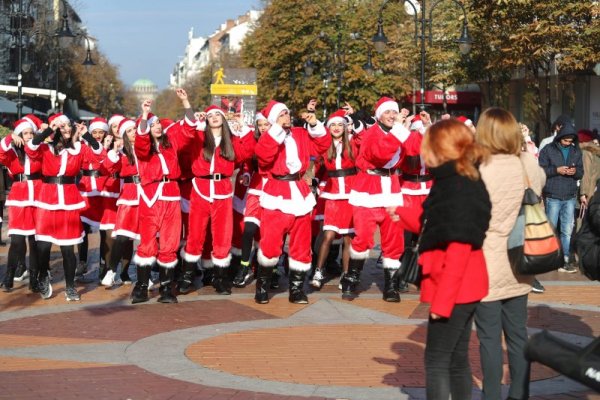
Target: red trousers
point(274, 226)
point(164, 219)
point(219, 215)
point(366, 221)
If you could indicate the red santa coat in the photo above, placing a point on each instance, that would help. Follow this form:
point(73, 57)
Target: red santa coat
point(118, 163)
point(91, 186)
point(415, 180)
point(283, 153)
point(66, 163)
point(21, 194)
point(379, 150)
point(160, 170)
point(338, 188)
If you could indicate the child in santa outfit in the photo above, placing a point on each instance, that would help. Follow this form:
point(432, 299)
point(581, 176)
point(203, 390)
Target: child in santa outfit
point(340, 173)
point(59, 202)
point(251, 209)
point(215, 152)
point(284, 153)
point(376, 187)
point(121, 160)
point(157, 148)
point(26, 175)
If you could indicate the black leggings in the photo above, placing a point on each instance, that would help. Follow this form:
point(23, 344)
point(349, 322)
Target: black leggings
point(122, 250)
point(18, 250)
point(69, 261)
point(105, 244)
point(250, 229)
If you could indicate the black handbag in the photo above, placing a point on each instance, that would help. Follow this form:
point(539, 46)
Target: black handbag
point(410, 272)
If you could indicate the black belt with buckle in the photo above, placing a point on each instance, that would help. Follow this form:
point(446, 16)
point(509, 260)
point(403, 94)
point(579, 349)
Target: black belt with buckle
point(417, 178)
point(91, 172)
point(215, 177)
point(288, 177)
point(339, 173)
point(132, 179)
point(382, 171)
point(25, 178)
point(59, 180)
point(164, 179)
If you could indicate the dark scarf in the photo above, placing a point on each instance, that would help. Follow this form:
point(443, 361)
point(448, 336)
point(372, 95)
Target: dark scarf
point(456, 210)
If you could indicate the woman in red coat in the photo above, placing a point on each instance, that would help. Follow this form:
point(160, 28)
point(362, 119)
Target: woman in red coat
point(453, 223)
point(215, 152)
point(59, 202)
point(26, 175)
point(157, 146)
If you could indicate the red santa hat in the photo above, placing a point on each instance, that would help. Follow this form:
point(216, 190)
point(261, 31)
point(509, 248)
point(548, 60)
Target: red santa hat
point(214, 109)
point(23, 124)
point(115, 119)
point(385, 104)
point(464, 120)
point(35, 121)
point(416, 123)
point(338, 116)
point(585, 135)
point(273, 109)
point(98, 123)
point(59, 118)
point(124, 125)
point(259, 115)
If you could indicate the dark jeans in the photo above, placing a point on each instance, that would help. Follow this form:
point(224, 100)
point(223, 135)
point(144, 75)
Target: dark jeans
point(447, 355)
point(491, 319)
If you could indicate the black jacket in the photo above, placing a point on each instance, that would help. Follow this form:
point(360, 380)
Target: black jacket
point(561, 187)
point(456, 210)
point(587, 240)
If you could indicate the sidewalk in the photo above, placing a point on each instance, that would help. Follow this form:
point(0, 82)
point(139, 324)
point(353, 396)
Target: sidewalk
point(227, 347)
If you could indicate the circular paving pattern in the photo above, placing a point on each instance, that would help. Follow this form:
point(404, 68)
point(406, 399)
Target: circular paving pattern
point(338, 355)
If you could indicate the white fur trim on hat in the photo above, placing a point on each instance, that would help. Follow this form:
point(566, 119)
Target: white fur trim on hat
point(275, 111)
point(25, 124)
point(126, 125)
point(152, 120)
point(385, 106)
point(98, 125)
point(259, 116)
point(115, 119)
point(336, 119)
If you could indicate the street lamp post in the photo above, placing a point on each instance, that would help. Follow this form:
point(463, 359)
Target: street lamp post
point(380, 40)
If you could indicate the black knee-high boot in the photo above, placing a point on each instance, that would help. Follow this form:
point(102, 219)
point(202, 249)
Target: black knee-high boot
point(140, 290)
point(263, 282)
point(221, 281)
point(185, 283)
point(390, 289)
point(352, 278)
point(34, 268)
point(166, 277)
point(297, 294)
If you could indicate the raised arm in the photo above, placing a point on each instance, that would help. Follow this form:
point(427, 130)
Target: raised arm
point(143, 140)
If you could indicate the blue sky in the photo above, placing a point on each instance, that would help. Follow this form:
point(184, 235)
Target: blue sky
point(145, 38)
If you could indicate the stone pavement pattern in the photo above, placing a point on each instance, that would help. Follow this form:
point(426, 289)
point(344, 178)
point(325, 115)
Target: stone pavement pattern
point(228, 347)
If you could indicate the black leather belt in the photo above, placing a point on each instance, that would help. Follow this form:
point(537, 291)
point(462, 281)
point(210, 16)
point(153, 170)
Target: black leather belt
point(215, 177)
point(382, 171)
point(338, 173)
point(91, 172)
point(132, 179)
point(417, 178)
point(288, 177)
point(59, 180)
point(164, 179)
point(25, 178)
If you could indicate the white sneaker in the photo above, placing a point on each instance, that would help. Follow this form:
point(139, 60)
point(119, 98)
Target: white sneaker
point(109, 278)
point(22, 277)
point(317, 280)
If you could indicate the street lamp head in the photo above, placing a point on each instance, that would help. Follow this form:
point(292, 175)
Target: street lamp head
point(368, 66)
point(88, 59)
point(309, 67)
point(379, 39)
point(26, 64)
point(465, 42)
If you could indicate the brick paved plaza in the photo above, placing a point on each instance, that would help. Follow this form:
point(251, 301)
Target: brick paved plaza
point(227, 347)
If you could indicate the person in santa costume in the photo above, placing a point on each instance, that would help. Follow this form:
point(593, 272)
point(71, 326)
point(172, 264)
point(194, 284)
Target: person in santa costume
point(376, 187)
point(121, 160)
point(92, 188)
point(26, 175)
point(113, 124)
point(340, 174)
point(287, 200)
point(215, 150)
point(59, 202)
point(252, 179)
point(157, 146)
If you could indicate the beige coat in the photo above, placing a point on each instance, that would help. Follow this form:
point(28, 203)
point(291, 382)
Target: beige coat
point(505, 182)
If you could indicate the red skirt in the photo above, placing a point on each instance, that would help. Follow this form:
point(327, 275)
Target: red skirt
point(21, 220)
point(61, 227)
point(338, 217)
point(253, 210)
point(109, 213)
point(319, 210)
point(127, 222)
point(92, 213)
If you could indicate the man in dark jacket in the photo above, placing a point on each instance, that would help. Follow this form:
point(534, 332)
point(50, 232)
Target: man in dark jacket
point(562, 161)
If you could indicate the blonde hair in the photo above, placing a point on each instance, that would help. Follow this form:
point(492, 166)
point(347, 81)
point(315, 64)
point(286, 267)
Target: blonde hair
point(451, 140)
point(499, 131)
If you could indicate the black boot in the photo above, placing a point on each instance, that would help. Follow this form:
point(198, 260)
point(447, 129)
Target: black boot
point(297, 295)
point(352, 278)
point(207, 276)
point(166, 277)
point(221, 280)
point(9, 277)
point(140, 290)
point(390, 289)
point(243, 276)
point(275, 279)
point(186, 280)
point(234, 266)
point(263, 282)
